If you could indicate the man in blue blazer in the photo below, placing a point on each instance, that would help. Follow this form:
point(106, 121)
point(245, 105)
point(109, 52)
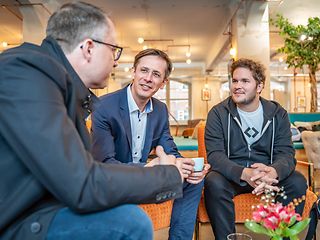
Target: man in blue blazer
point(137, 123)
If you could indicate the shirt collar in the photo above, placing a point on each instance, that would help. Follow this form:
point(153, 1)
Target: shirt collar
point(132, 104)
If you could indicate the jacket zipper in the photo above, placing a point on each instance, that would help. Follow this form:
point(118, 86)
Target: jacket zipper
point(248, 145)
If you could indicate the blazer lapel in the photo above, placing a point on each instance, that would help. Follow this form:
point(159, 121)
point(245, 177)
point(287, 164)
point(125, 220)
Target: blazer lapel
point(125, 117)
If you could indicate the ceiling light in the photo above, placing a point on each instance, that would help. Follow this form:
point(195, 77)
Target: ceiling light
point(188, 61)
point(145, 47)
point(4, 44)
point(126, 69)
point(188, 54)
point(140, 40)
point(206, 85)
point(232, 52)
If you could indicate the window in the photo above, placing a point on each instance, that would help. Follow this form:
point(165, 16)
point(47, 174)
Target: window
point(176, 95)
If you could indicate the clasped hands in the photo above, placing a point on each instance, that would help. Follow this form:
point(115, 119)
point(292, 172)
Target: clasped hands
point(184, 165)
point(261, 177)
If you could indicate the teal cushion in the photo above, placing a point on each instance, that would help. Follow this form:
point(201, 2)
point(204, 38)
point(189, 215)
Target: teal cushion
point(186, 144)
point(298, 145)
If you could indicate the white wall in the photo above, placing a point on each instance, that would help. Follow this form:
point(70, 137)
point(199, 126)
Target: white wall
point(200, 108)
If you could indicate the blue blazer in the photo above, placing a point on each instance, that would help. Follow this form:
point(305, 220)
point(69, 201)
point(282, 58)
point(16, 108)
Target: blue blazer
point(111, 129)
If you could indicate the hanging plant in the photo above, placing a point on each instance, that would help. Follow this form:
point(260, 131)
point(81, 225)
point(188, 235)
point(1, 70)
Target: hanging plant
point(302, 47)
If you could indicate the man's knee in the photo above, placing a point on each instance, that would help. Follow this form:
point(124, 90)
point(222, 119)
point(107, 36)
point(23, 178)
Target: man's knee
point(141, 224)
point(194, 189)
point(215, 183)
point(296, 183)
point(136, 227)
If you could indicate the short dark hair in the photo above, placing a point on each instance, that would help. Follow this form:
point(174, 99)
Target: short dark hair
point(74, 22)
point(154, 52)
point(256, 68)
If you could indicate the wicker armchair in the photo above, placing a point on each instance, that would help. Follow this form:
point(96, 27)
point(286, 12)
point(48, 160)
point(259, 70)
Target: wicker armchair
point(160, 214)
point(243, 202)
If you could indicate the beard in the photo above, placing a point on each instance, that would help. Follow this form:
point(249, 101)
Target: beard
point(245, 101)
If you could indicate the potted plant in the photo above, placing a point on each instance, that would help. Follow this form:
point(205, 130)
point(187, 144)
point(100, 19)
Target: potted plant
point(302, 47)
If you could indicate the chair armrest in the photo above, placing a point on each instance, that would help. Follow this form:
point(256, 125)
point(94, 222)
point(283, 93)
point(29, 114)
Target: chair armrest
point(310, 167)
point(187, 132)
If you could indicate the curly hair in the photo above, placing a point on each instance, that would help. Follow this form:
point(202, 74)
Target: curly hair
point(256, 68)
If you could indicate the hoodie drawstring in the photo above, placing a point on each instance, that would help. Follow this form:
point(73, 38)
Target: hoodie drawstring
point(229, 120)
point(272, 143)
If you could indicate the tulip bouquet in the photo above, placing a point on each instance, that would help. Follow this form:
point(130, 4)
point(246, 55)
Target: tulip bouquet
point(275, 220)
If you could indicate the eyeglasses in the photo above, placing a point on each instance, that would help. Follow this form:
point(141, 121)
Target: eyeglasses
point(115, 49)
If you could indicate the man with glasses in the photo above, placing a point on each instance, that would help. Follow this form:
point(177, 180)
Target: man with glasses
point(51, 186)
point(116, 49)
point(136, 123)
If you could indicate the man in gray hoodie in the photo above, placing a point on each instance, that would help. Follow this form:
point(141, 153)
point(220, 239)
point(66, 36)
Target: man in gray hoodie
point(248, 143)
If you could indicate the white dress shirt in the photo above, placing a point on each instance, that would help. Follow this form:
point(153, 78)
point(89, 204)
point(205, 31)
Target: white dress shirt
point(138, 121)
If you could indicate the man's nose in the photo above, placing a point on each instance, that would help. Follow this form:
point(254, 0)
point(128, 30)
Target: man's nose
point(148, 76)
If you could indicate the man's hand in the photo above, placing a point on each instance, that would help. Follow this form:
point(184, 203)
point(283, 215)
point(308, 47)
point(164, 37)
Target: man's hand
point(197, 177)
point(153, 162)
point(263, 186)
point(187, 166)
point(266, 178)
point(165, 159)
point(266, 174)
point(249, 173)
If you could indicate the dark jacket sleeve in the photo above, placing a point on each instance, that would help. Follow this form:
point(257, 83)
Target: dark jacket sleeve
point(36, 125)
point(283, 152)
point(215, 140)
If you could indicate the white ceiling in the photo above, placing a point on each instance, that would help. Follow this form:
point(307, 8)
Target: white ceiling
point(174, 24)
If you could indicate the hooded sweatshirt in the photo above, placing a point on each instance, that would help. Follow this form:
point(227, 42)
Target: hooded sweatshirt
point(228, 151)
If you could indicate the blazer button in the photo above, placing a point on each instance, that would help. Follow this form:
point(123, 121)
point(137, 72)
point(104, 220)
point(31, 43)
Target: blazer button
point(158, 197)
point(35, 227)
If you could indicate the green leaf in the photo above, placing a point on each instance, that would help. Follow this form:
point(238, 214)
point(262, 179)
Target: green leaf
point(296, 228)
point(299, 226)
point(276, 238)
point(257, 228)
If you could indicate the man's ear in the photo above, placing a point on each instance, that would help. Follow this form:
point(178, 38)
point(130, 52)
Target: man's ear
point(260, 87)
point(164, 83)
point(87, 49)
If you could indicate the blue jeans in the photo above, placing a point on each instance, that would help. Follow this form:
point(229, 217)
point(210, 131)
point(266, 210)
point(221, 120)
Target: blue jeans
point(126, 222)
point(184, 212)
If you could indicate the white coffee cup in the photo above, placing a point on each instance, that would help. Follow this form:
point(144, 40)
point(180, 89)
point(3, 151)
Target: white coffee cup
point(198, 164)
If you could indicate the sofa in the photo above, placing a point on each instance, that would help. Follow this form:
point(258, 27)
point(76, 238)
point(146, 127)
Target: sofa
point(300, 118)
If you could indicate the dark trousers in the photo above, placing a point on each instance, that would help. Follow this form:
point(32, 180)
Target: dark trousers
point(219, 193)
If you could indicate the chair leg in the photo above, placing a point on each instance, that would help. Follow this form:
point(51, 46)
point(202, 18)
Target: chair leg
point(196, 230)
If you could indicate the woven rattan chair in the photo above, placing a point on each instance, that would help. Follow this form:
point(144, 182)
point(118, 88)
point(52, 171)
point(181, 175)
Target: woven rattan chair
point(243, 202)
point(160, 214)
